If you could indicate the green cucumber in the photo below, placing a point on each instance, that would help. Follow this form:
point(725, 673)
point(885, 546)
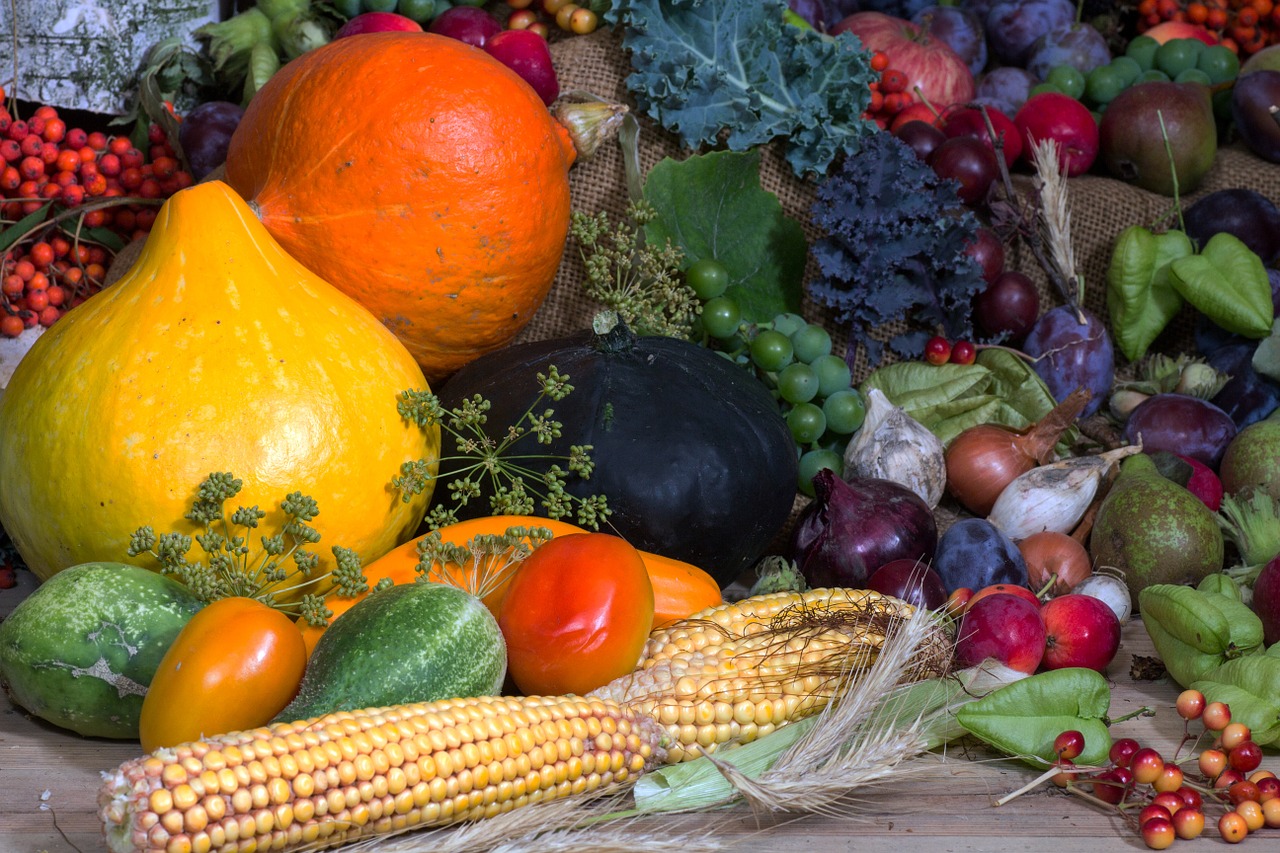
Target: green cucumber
point(81, 650)
point(414, 642)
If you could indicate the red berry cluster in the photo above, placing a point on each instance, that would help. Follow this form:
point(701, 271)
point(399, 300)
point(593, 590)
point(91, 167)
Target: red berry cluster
point(42, 161)
point(939, 350)
point(1245, 26)
point(890, 95)
point(1169, 803)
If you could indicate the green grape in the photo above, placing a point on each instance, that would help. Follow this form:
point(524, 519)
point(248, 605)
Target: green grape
point(844, 411)
point(1142, 49)
point(807, 423)
point(788, 324)
point(708, 278)
point(813, 461)
point(771, 350)
point(797, 383)
point(833, 374)
point(378, 5)
point(1177, 55)
point(1193, 75)
point(347, 8)
point(1103, 84)
point(419, 11)
point(721, 317)
point(476, 3)
point(1041, 88)
point(811, 342)
point(1068, 80)
point(1154, 75)
point(1129, 69)
point(1219, 63)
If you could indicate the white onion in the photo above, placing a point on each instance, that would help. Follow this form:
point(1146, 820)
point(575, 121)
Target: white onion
point(1111, 590)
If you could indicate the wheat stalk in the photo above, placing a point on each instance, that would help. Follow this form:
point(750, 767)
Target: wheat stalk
point(1055, 215)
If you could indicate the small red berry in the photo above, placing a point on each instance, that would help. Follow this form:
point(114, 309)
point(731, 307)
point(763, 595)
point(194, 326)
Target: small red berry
point(963, 352)
point(937, 350)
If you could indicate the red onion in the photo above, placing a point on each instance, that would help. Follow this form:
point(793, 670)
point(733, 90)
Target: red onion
point(852, 528)
point(985, 458)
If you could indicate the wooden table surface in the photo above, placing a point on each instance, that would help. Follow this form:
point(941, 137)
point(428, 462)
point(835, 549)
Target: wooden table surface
point(49, 779)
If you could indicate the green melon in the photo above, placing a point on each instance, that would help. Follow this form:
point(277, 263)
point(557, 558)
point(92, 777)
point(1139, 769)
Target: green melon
point(414, 642)
point(81, 650)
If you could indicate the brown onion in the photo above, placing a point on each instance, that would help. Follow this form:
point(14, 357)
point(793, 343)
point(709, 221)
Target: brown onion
point(985, 458)
point(1055, 558)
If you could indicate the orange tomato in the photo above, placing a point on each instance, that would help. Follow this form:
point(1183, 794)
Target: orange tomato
point(577, 614)
point(234, 666)
point(680, 589)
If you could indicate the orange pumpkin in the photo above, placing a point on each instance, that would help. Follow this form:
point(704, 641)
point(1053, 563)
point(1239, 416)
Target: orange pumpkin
point(418, 175)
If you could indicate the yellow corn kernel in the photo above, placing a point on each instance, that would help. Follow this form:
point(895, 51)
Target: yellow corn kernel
point(360, 785)
point(737, 671)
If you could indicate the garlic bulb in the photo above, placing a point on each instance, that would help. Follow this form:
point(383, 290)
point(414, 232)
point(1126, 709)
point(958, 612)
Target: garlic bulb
point(1054, 496)
point(892, 445)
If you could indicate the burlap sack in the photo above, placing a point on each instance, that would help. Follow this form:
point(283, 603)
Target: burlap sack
point(1100, 207)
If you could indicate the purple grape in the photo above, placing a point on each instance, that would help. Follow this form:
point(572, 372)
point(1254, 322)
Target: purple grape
point(1070, 354)
point(1013, 26)
point(974, 553)
point(1005, 88)
point(205, 133)
point(1078, 45)
point(959, 29)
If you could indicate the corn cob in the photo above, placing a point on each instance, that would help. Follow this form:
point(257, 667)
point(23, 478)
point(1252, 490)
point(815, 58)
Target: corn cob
point(735, 672)
point(350, 775)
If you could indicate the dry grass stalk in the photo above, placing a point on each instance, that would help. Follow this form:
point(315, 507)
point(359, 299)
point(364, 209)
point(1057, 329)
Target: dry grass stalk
point(1055, 214)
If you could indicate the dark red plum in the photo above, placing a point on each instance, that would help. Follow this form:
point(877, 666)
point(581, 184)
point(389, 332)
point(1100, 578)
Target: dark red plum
point(970, 162)
point(1079, 45)
point(911, 581)
point(205, 133)
point(1006, 88)
point(921, 137)
point(1070, 354)
point(527, 54)
point(1008, 306)
point(1013, 26)
point(959, 29)
point(469, 24)
point(1183, 424)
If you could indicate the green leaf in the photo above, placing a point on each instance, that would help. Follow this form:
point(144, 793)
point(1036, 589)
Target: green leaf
point(1251, 686)
point(103, 237)
point(19, 229)
point(1023, 719)
point(1228, 283)
point(1266, 358)
point(913, 385)
point(725, 72)
point(1140, 298)
point(712, 206)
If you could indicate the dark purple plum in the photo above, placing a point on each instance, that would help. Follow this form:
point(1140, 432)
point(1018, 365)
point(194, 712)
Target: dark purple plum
point(1013, 26)
point(973, 553)
point(959, 29)
point(921, 137)
point(1079, 45)
point(1008, 306)
point(1248, 396)
point(205, 133)
point(1253, 98)
point(896, 8)
point(1070, 354)
point(978, 7)
point(813, 11)
point(1180, 423)
point(1246, 214)
point(1006, 88)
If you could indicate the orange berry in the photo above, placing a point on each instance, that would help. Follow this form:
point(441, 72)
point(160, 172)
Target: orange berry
point(11, 325)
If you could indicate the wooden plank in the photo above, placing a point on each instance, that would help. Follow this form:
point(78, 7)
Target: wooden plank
point(50, 780)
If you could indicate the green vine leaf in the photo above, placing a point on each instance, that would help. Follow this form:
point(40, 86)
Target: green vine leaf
point(1141, 299)
point(713, 206)
point(1228, 283)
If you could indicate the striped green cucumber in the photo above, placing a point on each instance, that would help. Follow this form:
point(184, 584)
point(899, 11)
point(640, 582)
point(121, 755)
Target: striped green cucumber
point(82, 648)
point(413, 642)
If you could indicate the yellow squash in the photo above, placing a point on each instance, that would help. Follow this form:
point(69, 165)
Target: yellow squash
point(216, 352)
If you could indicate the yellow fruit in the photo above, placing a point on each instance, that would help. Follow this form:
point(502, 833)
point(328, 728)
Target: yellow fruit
point(216, 352)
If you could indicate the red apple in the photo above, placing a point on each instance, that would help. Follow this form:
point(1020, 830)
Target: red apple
point(1080, 630)
point(1052, 115)
point(377, 22)
point(1005, 627)
point(929, 63)
point(1168, 30)
point(1005, 589)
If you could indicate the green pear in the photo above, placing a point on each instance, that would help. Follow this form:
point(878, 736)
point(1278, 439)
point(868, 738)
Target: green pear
point(1153, 530)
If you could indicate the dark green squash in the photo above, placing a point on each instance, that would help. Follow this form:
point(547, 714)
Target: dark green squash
point(689, 448)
